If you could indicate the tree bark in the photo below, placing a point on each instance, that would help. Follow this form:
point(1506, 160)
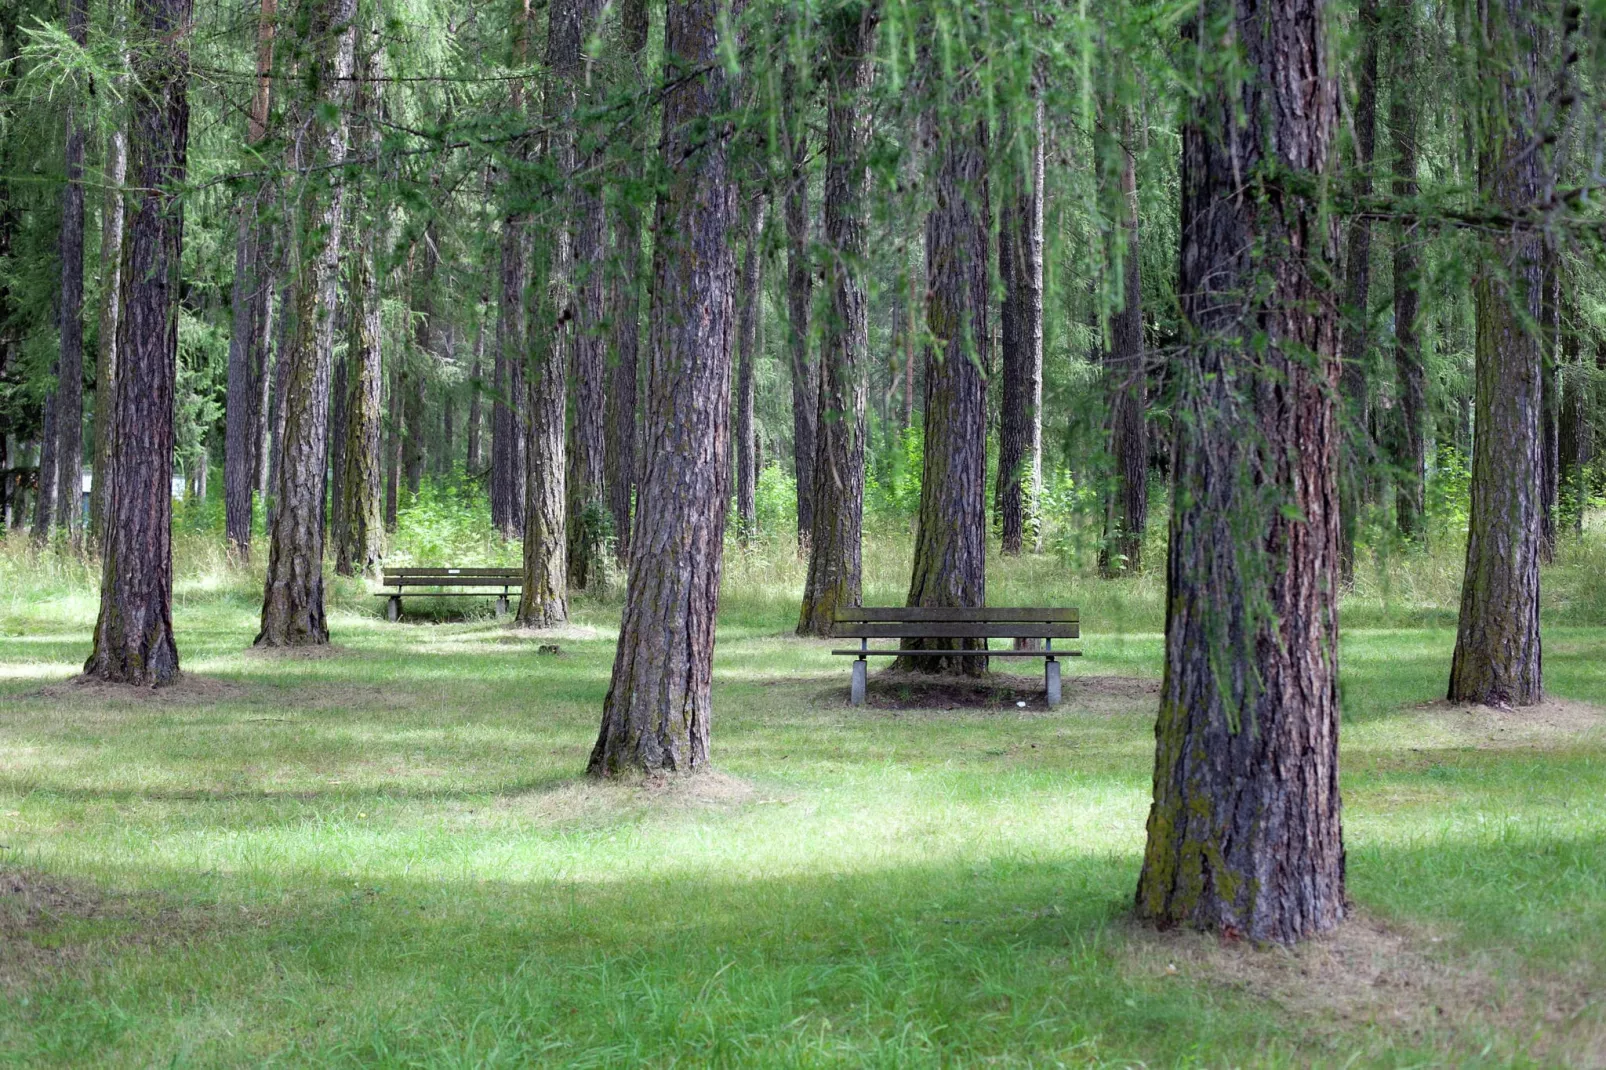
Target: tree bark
point(111, 259)
point(475, 392)
point(950, 561)
point(1020, 265)
point(1497, 650)
point(251, 290)
point(134, 632)
point(1360, 451)
point(655, 718)
point(508, 472)
point(414, 420)
point(836, 540)
point(1244, 834)
point(393, 443)
point(292, 600)
point(1126, 514)
point(70, 369)
point(44, 499)
point(1410, 460)
point(799, 297)
point(1549, 406)
point(749, 311)
point(1573, 430)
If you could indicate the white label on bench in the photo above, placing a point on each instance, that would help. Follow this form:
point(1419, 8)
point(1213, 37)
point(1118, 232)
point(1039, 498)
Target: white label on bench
point(453, 571)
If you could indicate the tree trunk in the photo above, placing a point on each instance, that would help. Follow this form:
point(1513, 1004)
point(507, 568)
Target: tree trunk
point(656, 716)
point(1549, 406)
point(1126, 513)
point(1573, 431)
point(414, 420)
point(44, 499)
point(1410, 460)
point(950, 562)
point(475, 392)
point(749, 312)
point(835, 542)
point(251, 290)
point(393, 443)
point(111, 259)
point(134, 633)
point(1020, 265)
point(799, 297)
point(1497, 650)
point(1244, 835)
point(360, 535)
point(507, 422)
point(1360, 451)
point(292, 600)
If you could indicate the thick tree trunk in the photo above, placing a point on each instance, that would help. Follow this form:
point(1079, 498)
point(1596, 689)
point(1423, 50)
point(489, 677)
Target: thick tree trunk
point(1410, 459)
point(1360, 451)
point(1020, 264)
point(835, 543)
point(656, 716)
point(950, 562)
point(749, 310)
point(111, 260)
point(1244, 835)
point(1497, 650)
point(292, 600)
point(799, 298)
point(134, 633)
point(251, 290)
point(1126, 512)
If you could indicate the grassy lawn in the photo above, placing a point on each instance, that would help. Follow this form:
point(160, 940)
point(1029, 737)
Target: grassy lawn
point(387, 856)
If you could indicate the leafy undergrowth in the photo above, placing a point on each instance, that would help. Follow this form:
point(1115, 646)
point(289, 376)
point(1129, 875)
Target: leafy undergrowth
point(388, 856)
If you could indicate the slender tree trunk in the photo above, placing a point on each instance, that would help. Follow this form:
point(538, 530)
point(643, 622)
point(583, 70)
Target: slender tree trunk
point(835, 543)
point(472, 431)
point(1126, 514)
point(414, 420)
point(749, 312)
point(1360, 451)
point(508, 472)
point(44, 499)
point(392, 463)
point(1020, 265)
point(1244, 835)
point(134, 633)
point(1549, 407)
point(656, 716)
point(252, 286)
point(950, 562)
point(799, 298)
point(1572, 432)
point(1497, 650)
point(292, 600)
point(1410, 461)
point(111, 260)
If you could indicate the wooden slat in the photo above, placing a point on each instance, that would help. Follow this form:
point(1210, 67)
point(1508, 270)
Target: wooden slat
point(409, 595)
point(443, 571)
point(983, 615)
point(452, 581)
point(960, 631)
point(963, 653)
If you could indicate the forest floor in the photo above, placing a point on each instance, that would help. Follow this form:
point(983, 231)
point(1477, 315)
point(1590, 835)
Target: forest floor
point(388, 855)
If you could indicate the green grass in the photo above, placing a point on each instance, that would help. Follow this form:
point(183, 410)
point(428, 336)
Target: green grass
point(388, 857)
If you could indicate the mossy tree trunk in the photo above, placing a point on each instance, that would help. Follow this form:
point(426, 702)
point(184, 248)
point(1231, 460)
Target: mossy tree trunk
point(1244, 834)
point(655, 718)
point(292, 599)
point(134, 632)
point(1020, 264)
point(1126, 510)
point(950, 560)
point(1497, 649)
point(835, 542)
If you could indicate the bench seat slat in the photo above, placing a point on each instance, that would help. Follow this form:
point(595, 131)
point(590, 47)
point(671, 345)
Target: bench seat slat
point(439, 594)
point(894, 652)
point(934, 630)
point(962, 615)
point(452, 581)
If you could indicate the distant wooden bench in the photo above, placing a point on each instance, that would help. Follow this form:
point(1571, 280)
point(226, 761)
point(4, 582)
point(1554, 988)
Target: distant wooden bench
point(500, 581)
point(924, 622)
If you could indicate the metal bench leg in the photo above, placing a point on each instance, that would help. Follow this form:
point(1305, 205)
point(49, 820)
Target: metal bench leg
point(501, 606)
point(860, 667)
point(393, 609)
point(1051, 681)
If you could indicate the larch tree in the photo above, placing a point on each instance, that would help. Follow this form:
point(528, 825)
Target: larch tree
point(950, 557)
point(1020, 266)
point(471, 432)
point(134, 632)
point(1549, 403)
point(656, 716)
point(69, 398)
point(1244, 833)
point(114, 174)
point(835, 542)
point(507, 416)
point(1126, 508)
point(1497, 649)
point(292, 599)
point(1410, 453)
point(749, 310)
point(799, 289)
point(252, 286)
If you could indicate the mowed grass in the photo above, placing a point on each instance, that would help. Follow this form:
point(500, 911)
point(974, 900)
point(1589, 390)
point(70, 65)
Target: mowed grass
point(388, 855)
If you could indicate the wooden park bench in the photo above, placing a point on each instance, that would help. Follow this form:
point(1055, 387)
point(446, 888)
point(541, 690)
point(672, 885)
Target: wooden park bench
point(500, 582)
point(929, 622)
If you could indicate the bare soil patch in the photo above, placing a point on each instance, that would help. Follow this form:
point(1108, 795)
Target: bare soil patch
point(1553, 721)
point(188, 688)
point(316, 652)
point(1010, 692)
point(586, 801)
point(40, 919)
point(1371, 973)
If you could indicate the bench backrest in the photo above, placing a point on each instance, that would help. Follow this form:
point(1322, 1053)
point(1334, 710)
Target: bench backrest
point(451, 577)
point(939, 622)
